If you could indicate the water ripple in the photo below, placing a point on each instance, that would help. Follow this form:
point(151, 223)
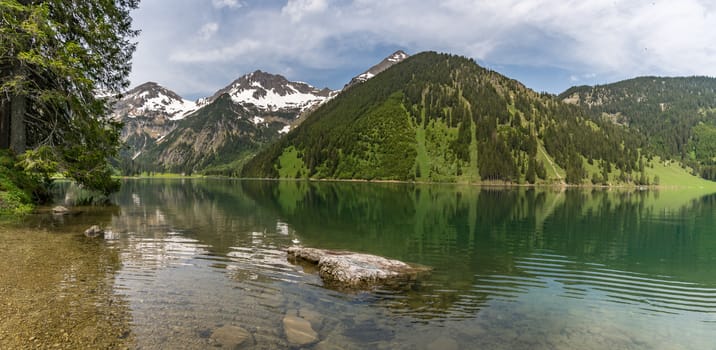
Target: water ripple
point(595, 283)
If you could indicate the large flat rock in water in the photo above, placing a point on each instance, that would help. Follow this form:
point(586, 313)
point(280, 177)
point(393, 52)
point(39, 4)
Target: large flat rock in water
point(356, 270)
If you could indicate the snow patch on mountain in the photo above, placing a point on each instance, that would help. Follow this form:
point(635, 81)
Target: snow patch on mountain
point(177, 108)
point(365, 76)
point(271, 93)
point(258, 120)
point(152, 98)
point(271, 100)
point(397, 56)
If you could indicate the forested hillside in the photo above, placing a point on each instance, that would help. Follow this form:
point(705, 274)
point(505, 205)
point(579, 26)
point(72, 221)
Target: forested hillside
point(439, 117)
point(676, 115)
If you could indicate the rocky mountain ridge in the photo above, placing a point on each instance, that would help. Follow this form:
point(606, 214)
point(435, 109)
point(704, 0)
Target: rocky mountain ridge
point(271, 92)
point(152, 99)
point(148, 112)
point(396, 57)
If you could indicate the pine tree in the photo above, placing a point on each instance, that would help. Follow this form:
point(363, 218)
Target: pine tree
point(540, 170)
point(56, 56)
point(531, 170)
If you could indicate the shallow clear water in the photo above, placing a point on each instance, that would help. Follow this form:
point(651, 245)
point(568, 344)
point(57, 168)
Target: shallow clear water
point(513, 268)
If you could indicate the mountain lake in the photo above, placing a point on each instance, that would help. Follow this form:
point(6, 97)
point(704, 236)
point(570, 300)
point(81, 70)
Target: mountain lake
point(200, 263)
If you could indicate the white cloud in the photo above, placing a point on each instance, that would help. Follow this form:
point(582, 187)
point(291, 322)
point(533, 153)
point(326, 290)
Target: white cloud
point(226, 3)
point(223, 54)
point(607, 39)
point(297, 9)
point(620, 38)
point(208, 30)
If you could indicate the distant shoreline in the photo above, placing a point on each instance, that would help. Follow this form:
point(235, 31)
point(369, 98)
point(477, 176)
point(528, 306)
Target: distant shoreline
point(489, 184)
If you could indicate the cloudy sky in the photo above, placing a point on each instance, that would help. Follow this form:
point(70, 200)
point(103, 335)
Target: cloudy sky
point(195, 47)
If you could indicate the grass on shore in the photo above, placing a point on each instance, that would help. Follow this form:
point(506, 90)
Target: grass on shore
point(672, 175)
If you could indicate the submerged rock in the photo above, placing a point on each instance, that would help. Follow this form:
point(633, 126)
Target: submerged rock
point(356, 270)
point(94, 232)
point(311, 316)
point(60, 210)
point(230, 336)
point(299, 331)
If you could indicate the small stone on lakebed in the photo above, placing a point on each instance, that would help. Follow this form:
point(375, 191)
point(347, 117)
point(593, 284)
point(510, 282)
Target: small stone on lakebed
point(230, 336)
point(94, 232)
point(299, 331)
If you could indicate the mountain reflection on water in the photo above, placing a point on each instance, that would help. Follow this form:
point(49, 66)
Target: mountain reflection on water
point(513, 268)
point(634, 247)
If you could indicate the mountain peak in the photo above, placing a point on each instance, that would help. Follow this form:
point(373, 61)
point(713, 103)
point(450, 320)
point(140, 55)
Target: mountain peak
point(386, 63)
point(262, 79)
point(147, 85)
point(271, 92)
point(150, 98)
point(259, 73)
point(397, 56)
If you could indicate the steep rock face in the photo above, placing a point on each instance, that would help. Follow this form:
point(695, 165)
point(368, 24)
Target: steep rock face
point(219, 133)
point(148, 112)
point(397, 56)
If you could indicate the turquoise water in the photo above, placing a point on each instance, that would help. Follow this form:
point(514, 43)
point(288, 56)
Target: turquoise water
point(512, 268)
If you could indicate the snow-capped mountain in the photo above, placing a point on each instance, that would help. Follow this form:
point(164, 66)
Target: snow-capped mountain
point(148, 113)
point(230, 125)
point(396, 57)
point(272, 93)
point(152, 99)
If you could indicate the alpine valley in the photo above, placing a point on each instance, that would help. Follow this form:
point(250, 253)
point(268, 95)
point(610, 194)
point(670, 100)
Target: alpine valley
point(429, 117)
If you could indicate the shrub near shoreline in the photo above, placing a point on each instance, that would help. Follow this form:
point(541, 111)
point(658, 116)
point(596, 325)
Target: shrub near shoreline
point(17, 189)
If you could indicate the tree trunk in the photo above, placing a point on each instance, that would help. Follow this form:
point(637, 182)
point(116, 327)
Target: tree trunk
point(4, 124)
point(17, 124)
